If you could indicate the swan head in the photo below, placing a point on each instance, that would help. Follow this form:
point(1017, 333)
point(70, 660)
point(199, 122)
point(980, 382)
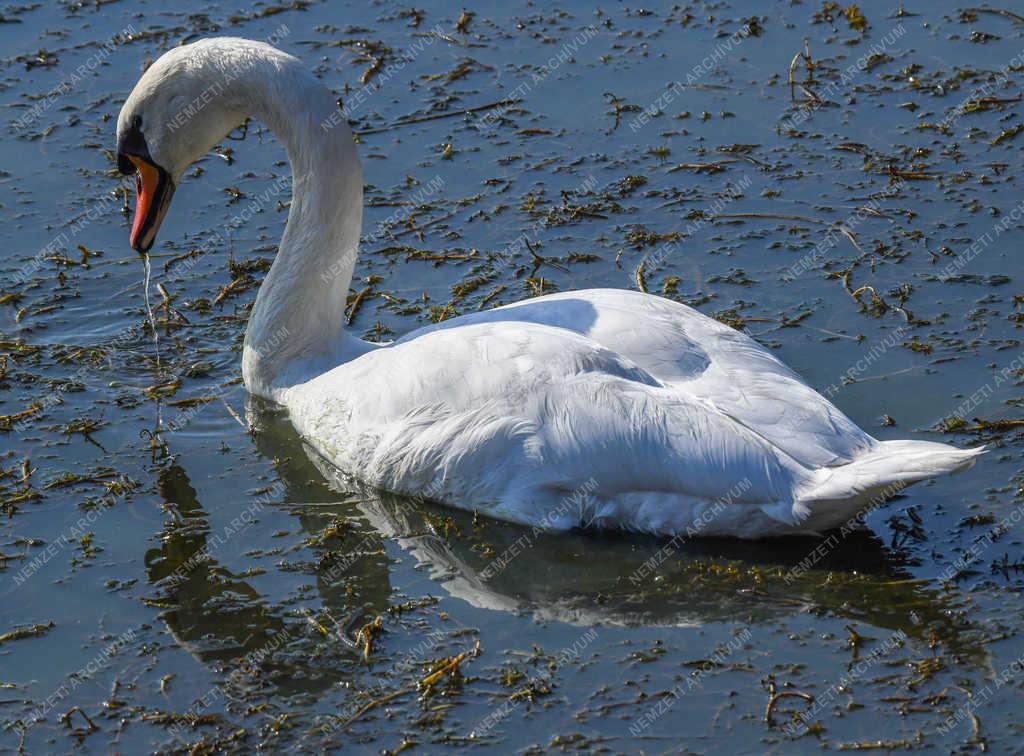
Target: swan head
point(178, 111)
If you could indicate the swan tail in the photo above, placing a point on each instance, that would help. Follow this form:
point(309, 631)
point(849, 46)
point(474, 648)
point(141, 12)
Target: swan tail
point(835, 495)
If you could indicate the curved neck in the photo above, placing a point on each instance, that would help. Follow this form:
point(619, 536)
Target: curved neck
point(295, 329)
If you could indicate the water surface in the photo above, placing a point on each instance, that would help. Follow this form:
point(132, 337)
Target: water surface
point(202, 583)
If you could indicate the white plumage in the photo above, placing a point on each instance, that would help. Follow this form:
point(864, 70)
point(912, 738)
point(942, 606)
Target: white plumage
point(598, 408)
point(653, 413)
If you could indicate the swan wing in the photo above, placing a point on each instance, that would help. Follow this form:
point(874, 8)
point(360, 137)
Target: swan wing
point(538, 423)
point(723, 367)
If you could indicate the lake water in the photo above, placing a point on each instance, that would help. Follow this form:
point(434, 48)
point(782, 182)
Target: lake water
point(176, 572)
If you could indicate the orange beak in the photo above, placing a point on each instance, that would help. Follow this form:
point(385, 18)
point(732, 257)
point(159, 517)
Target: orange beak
point(153, 192)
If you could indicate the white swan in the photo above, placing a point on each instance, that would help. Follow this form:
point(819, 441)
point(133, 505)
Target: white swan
point(601, 408)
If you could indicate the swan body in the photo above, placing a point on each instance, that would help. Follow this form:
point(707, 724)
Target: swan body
point(598, 408)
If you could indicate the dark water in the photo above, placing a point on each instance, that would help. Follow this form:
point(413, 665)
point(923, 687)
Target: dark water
point(201, 584)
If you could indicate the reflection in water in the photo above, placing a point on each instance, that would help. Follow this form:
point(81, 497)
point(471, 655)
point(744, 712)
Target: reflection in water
point(579, 577)
point(223, 621)
point(215, 614)
point(588, 578)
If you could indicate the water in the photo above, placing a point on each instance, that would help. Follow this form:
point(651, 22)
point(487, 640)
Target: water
point(200, 579)
point(147, 275)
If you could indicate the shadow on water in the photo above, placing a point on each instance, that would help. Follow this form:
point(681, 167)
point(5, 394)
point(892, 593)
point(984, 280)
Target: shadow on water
point(579, 578)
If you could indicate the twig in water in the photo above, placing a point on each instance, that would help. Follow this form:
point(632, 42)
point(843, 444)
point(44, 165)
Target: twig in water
point(1017, 19)
point(776, 696)
point(357, 303)
point(640, 282)
point(436, 116)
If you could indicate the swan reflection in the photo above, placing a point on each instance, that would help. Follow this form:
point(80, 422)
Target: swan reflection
point(580, 578)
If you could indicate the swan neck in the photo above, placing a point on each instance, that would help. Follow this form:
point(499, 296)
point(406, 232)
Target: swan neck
point(295, 329)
